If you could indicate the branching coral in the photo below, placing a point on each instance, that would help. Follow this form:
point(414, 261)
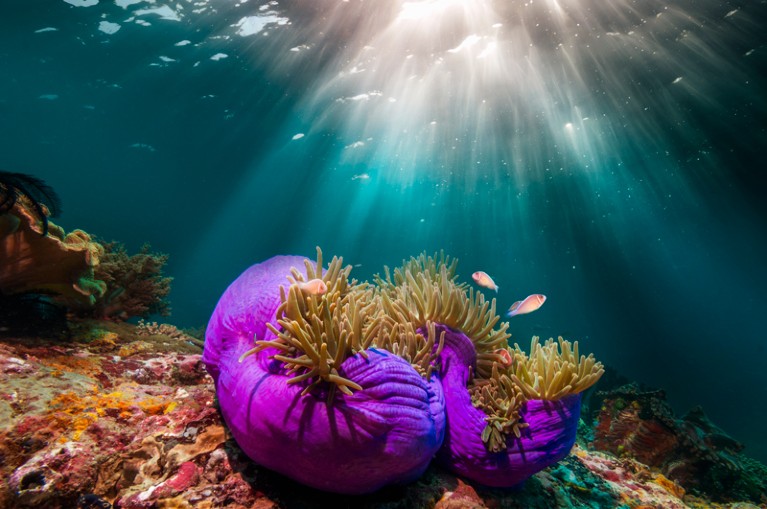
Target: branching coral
point(135, 285)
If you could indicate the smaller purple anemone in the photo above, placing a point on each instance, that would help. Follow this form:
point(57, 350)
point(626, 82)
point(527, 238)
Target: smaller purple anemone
point(546, 438)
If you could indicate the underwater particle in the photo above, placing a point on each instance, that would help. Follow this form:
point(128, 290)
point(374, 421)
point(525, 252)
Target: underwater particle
point(251, 25)
point(126, 3)
point(46, 29)
point(144, 146)
point(361, 176)
point(219, 56)
point(466, 43)
point(183, 43)
point(108, 27)
point(82, 3)
point(164, 12)
point(49, 97)
point(297, 136)
point(167, 59)
point(677, 80)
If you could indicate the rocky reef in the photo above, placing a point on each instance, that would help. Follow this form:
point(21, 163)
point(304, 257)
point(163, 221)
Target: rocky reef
point(127, 417)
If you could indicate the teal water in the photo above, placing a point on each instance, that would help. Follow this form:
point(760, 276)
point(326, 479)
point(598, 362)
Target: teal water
point(607, 155)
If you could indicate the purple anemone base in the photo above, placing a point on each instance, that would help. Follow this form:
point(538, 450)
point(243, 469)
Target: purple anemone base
point(386, 433)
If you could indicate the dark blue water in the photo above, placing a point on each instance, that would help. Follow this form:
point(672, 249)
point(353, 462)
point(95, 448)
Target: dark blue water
point(608, 156)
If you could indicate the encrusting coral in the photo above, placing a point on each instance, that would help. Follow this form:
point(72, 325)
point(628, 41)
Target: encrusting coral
point(53, 263)
point(508, 415)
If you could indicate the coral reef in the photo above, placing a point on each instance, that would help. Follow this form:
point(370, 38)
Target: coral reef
point(690, 451)
point(145, 328)
point(370, 374)
point(40, 263)
point(122, 418)
point(56, 264)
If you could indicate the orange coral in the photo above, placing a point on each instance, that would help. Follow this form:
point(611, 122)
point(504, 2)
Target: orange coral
point(77, 413)
point(56, 263)
point(670, 486)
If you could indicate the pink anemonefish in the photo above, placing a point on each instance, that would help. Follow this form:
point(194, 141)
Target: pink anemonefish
point(530, 304)
point(313, 286)
point(482, 279)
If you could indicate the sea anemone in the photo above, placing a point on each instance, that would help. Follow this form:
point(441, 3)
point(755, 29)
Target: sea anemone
point(280, 399)
point(375, 376)
point(520, 420)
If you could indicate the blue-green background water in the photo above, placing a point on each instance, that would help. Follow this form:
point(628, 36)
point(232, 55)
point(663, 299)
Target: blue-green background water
point(608, 155)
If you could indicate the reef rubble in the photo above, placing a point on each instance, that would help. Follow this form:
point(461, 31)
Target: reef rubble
point(124, 417)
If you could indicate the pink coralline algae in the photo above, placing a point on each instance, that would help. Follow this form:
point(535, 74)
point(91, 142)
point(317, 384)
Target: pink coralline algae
point(76, 421)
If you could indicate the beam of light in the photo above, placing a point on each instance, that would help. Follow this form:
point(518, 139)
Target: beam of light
point(463, 89)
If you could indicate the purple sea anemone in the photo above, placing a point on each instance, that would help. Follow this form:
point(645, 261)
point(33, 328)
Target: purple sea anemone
point(546, 428)
point(349, 387)
point(385, 432)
